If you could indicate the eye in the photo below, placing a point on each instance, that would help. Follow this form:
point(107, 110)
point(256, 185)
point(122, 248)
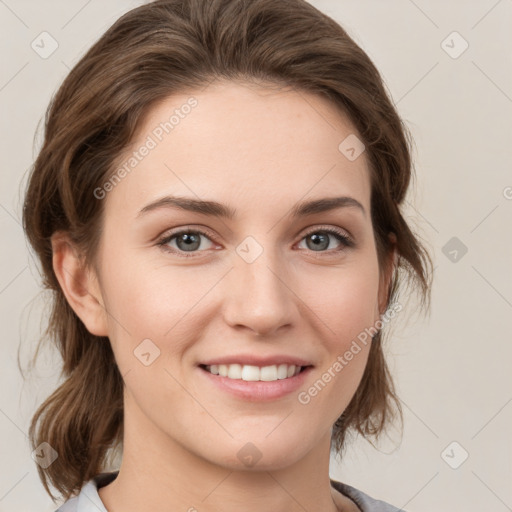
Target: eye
point(319, 239)
point(187, 240)
point(190, 241)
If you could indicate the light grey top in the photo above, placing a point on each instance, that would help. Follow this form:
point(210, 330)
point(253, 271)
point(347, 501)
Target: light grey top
point(88, 500)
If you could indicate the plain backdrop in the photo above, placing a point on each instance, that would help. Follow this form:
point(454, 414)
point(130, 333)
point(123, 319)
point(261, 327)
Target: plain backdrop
point(448, 67)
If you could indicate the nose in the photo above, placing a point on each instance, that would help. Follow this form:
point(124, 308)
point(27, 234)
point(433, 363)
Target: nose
point(258, 297)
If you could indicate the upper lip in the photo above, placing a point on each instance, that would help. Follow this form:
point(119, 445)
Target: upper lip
point(254, 360)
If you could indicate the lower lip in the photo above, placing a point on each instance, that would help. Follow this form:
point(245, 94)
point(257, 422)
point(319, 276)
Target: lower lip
point(258, 390)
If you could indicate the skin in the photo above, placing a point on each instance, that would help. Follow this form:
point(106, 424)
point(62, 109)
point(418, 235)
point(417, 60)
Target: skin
point(259, 151)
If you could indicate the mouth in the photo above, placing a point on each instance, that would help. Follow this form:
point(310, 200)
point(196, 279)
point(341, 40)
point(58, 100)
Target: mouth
point(256, 383)
point(252, 373)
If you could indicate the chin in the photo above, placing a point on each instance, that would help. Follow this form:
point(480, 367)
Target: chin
point(260, 454)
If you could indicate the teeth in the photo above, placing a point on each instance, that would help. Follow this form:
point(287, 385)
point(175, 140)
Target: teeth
point(254, 373)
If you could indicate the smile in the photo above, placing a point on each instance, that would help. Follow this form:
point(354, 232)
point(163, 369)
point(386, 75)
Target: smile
point(254, 373)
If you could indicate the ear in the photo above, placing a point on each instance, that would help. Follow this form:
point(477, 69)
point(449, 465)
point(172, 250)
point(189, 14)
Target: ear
point(387, 275)
point(80, 285)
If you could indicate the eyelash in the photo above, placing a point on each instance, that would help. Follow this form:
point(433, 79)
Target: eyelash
point(338, 234)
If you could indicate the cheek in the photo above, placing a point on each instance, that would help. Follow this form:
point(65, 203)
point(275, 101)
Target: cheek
point(161, 304)
point(347, 313)
point(345, 301)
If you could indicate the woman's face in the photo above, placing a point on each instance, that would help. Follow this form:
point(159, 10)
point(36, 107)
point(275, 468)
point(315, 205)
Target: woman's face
point(269, 284)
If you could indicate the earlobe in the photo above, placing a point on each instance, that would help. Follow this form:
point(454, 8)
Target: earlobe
point(79, 285)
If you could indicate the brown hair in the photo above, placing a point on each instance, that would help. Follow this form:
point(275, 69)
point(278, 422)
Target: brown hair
point(151, 52)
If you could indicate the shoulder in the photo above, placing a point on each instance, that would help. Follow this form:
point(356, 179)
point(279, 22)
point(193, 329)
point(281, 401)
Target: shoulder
point(365, 502)
point(69, 506)
point(88, 500)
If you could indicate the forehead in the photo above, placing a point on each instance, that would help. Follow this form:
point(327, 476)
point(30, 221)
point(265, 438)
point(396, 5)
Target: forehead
point(242, 144)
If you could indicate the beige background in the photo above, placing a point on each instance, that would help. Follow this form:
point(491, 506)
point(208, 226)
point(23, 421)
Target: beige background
point(452, 369)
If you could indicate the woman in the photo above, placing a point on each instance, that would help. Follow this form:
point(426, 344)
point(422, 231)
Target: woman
point(216, 207)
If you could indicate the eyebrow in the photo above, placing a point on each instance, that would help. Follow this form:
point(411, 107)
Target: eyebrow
point(216, 209)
